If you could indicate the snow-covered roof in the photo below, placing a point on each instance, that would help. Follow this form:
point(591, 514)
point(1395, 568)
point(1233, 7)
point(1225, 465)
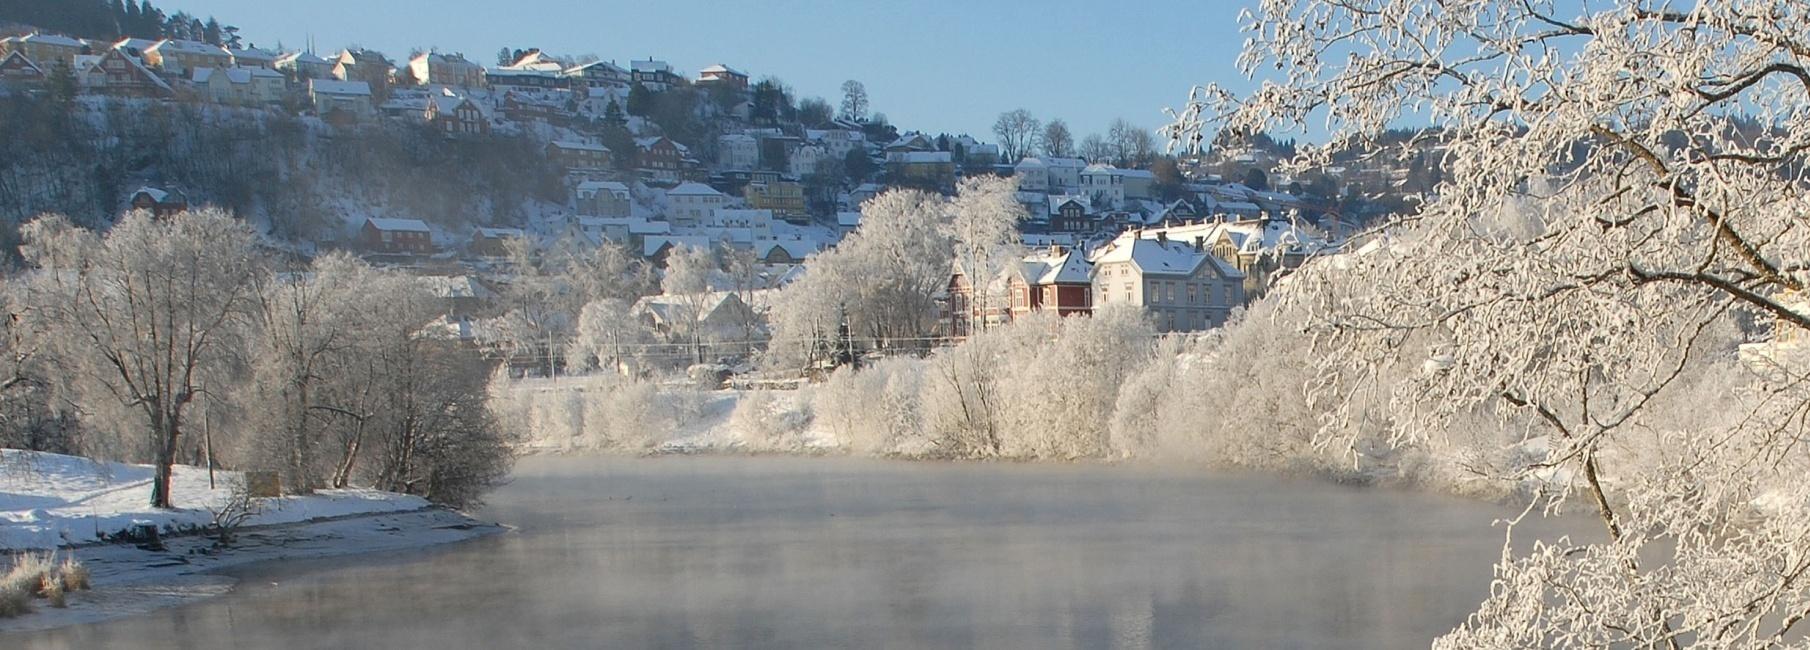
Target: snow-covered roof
point(255, 54)
point(300, 58)
point(407, 225)
point(653, 244)
point(342, 88)
point(38, 38)
point(693, 188)
point(1032, 163)
point(134, 44)
point(848, 218)
point(638, 226)
point(795, 248)
point(719, 68)
point(650, 65)
point(1160, 256)
point(188, 47)
point(603, 186)
point(575, 145)
point(1047, 267)
point(917, 157)
point(500, 233)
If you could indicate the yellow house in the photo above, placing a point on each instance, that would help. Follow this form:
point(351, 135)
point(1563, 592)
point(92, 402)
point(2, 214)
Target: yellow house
point(769, 192)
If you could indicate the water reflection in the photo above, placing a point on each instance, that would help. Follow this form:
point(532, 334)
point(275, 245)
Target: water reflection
point(788, 553)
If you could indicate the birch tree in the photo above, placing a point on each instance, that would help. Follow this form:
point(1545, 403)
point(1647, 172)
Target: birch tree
point(1624, 179)
point(142, 313)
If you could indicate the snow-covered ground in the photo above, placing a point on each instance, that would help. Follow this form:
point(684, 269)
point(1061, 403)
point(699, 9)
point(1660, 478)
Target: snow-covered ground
point(50, 501)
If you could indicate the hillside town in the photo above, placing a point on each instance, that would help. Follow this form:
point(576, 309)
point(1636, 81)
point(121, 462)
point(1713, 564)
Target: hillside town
point(772, 180)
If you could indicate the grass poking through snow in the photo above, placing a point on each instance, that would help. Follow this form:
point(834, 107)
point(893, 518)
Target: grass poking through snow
point(40, 575)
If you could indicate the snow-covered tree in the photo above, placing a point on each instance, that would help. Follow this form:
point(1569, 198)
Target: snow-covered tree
point(142, 314)
point(879, 285)
point(686, 286)
point(1621, 179)
point(983, 226)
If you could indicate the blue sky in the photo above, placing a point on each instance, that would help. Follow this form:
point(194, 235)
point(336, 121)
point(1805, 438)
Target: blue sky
point(936, 65)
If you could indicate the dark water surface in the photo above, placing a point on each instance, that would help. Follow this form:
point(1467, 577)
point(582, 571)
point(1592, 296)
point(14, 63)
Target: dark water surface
point(681, 552)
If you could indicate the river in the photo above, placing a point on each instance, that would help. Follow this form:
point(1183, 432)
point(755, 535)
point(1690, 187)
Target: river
point(680, 552)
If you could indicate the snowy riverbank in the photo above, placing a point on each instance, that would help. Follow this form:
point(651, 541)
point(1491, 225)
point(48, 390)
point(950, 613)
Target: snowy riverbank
point(53, 501)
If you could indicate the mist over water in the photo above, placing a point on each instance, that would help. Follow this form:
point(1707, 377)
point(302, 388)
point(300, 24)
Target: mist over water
point(813, 553)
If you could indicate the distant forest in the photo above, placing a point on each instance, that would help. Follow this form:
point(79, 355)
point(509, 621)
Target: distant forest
point(111, 19)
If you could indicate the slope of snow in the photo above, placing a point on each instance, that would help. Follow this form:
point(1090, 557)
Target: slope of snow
point(51, 500)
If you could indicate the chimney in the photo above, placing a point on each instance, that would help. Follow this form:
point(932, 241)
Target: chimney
point(1200, 244)
point(1055, 250)
point(1162, 237)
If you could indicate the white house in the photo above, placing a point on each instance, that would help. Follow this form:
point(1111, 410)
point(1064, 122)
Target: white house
point(1182, 285)
point(304, 65)
point(690, 204)
point(737, 151)
point(804, 160)
point(758, 222)
point(837, 142)
point(352, 98)
point(1065, 173)
point(239, 86)
point(1033, 175)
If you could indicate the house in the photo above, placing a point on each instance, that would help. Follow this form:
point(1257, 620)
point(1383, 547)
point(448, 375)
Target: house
point(1064, 173)
point(16, 68)
point(656, 248)
point(116, 73)
point(159, 202)
point(926, 168)
point(1104, 184)
point(399, 236)
point(737, 151)
point(837, 142)
point(534, 70)
point(456, 114)
point(758, 222)
point(1182, 285)
point(45, 50)
point(461, 296)
point(784, 251)
point(132, 46)
point(1058, 279)
point(1262, 249)
point(723, 76)
point(350, 99)
point(368, 66)
point(804, 160)
point(597, 74)
point(768, 191)
point(1032, 174)
point(434, 68)
point(714, 316)
point(239, 86)
point(493, 242)
point(1072, 214)
point(661, 159)
point(847, 221)
point(304, 65)
point(255, 58)
point(179, 57)
point(602, 198)
point(553, 108)
point(654, 75)
point(911, 142)
point(690, 204)
point(573, 154)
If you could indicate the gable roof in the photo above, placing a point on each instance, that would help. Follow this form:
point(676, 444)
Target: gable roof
point(693, 188)
point(402, 225)
point(345, 88)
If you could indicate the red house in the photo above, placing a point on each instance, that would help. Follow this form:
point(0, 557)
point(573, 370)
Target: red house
point(1058, 279)
point(15, 68)
point(160, 203)
point(455, 114)
point(402, 236)
point(660, 158)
